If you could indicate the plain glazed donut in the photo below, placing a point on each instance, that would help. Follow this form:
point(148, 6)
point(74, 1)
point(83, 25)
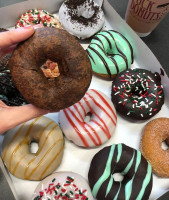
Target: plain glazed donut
point(110, 53)
point(36, 16)
point(102, 122)
point(16, 151)
point(82, 18)
point(63, 185)
point(137, 94)
point(119, 158)
point(154, 133)
point(74, 66)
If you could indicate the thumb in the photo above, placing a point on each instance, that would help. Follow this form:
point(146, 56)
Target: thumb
point(12, 37)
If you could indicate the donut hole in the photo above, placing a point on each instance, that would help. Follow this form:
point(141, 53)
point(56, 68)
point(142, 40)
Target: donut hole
point(118, 177)
point(138, 91)
point(34, 146)
point(88, 117)
point(165, 145)
point(86, 14)
point(50, 69)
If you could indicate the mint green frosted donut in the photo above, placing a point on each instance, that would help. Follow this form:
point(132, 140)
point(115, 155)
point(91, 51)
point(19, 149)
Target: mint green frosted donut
point(110, 53)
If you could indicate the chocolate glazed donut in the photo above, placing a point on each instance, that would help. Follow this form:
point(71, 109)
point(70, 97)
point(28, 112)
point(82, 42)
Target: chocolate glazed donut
point(74, 67)
point(119, 158)
point(137, 94)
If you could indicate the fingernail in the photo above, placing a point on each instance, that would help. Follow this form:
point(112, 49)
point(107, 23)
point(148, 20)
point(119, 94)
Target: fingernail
point(26, 27)
point(37, 26)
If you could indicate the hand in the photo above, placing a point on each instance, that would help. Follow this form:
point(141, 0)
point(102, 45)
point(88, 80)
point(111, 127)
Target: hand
point(11, 116)
point(10, 39)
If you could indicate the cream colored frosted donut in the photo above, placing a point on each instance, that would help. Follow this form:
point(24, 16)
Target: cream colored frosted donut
point(102, 121)
point(63, 185)
point(16, 149)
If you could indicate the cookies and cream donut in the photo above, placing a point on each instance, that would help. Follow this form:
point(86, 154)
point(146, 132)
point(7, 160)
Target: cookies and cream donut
point(37, 16)
point(154, 133)
point(74, 69)
point(98, 129)
point(8, 92)
point(17, 155)
point(124, 160)
point(4, 60)
point(137, 94)
point(110, 53)
point(81, 18)
point(63, 185)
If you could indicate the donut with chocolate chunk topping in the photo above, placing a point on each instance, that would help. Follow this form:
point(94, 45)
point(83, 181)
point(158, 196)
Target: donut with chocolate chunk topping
point(73, 64)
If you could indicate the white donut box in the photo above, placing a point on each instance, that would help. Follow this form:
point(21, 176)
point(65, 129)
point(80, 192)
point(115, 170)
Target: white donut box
point(78, 159)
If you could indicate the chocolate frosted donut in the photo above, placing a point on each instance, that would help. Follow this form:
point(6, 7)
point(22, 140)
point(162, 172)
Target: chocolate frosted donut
point(119, 158)
point(137, 94)
point(74, 68)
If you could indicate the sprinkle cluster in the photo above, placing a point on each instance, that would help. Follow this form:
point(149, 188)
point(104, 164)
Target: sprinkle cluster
point(66, 191)
point(141, 91)
point(36, 17)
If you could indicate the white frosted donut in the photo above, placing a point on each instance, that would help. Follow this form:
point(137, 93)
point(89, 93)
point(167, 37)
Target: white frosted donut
point(37, 16)
point(16, 151)
point(102, 121)
point(63, 185)
point(81, 18)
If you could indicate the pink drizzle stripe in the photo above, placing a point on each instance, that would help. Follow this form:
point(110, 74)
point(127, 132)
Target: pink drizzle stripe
point(77, 110)
point(101, 108)
point(75, 128)
point(82, 108)
point(106, 132)
point(82, 125)
point(97, 136)
point(107, 104)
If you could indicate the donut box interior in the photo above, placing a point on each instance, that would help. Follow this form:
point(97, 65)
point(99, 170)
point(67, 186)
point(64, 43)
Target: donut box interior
point(78, 159)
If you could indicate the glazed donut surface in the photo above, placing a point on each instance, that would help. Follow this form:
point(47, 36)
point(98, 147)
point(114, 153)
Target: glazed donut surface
point(81, 18)
point(74, 66)
point(154, 133)
point(110, 53)
point(119, 158)
point(98, 129)
point(17, 155)
point(63, 185)
point(137, 94)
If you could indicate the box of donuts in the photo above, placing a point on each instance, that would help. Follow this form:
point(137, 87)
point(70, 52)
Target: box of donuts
point(105, 134)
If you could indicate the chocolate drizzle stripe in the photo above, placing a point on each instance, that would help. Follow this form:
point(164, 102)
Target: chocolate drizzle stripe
point(107, 39)
point(89, 54)
point(131, 48)
point(112, 59)
point(99, 47)
point(115, 63)
point(119, 50)
point(102, 59)
point(98, 39)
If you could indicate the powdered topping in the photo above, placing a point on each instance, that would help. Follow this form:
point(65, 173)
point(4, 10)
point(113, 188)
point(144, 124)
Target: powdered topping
point(140, 92)
point(35, 16)
point(62, 191)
